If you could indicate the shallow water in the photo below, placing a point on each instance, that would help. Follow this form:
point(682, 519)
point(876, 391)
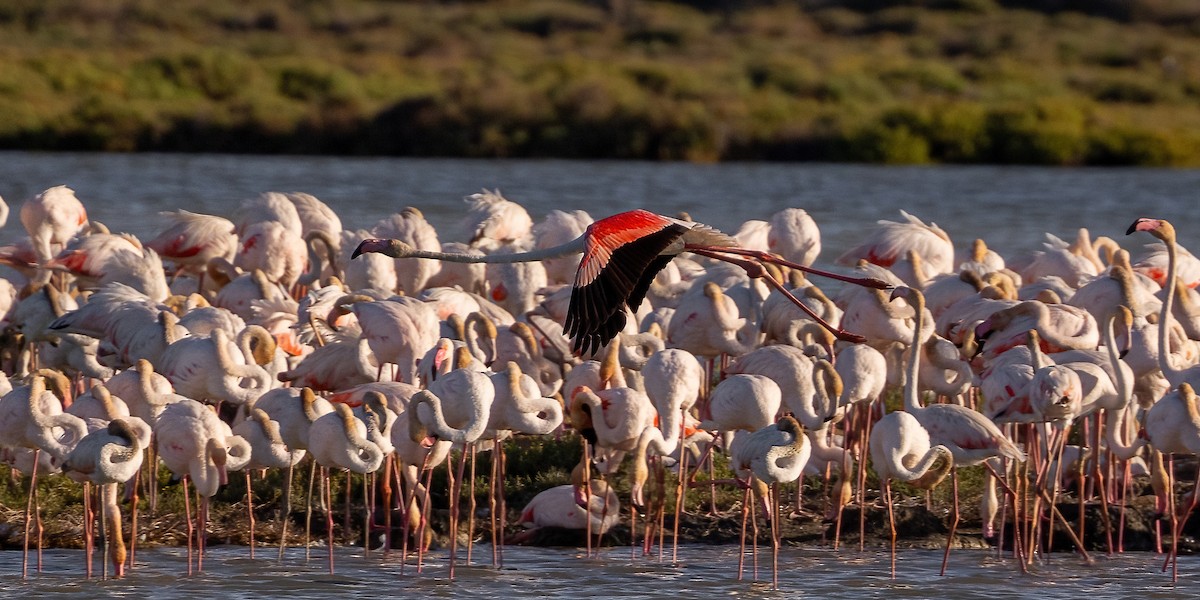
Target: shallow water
point(1010, 207)
point(561, 572)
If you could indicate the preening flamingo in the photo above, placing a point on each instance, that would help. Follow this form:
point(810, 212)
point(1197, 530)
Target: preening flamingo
point(622, 254)
point(51, 218)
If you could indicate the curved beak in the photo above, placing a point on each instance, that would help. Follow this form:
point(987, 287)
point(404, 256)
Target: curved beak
point(369, 245)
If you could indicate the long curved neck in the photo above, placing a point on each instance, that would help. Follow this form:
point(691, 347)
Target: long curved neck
point(1164, 324)
point(911, 403)
point(471, 432)
point(924, 475)
point(575, 246)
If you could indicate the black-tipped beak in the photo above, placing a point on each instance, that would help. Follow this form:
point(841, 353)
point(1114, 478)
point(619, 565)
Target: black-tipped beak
point(1132, 228)
point(363, 247)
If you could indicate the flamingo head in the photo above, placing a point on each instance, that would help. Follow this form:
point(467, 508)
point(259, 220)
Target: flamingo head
point(392, 248)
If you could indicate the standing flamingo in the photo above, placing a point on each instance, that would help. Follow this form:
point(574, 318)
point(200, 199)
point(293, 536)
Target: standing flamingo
point(969, 435)
point(195, 445)
point(774, 454)
point(339, 440)
point(1163, 230)
point(901, 450)
point(51, 218)
point(107, 457)
point(621, 255)
point(1173, 427)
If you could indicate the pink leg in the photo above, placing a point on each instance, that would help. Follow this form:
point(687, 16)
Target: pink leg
point(953, 521)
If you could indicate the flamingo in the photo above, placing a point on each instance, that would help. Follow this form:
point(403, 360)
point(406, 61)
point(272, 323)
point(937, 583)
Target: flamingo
point(410, 226)
point(295, 409)
point(268, 206)
point(193, 239)
point(611, 421)
point(267, 451)
point(913, 250)
point(31, 417)
point(708, 324)
point(622, 254)
point(456, 407)
point(559, 507)
point(197, 446)
point(206, 368)
point(794, 235)
point(672, 380)
point(1173, 427)
point(340, 440)
point(315, 215)
point(559, 227)
point(1061, 327)
point(107, 457)
point(280, 253)
point(493, 220)
point(969, 435)
point(774, 454)
point(901, 450)
point(1163, 230)
point(90, 257)
point(51, 218)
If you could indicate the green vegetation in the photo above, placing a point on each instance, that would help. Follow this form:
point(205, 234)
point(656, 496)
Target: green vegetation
point(1058, 82)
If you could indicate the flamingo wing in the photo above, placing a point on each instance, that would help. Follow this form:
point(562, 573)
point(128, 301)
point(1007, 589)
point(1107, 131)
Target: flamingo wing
point(623, 254)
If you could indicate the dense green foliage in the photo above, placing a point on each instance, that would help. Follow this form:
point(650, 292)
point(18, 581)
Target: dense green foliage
point(1046, 81)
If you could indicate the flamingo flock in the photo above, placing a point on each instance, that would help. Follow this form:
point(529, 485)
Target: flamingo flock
point(274, 339)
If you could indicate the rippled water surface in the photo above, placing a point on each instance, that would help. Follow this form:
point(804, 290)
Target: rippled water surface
point(703, 571)
point(1010, 207)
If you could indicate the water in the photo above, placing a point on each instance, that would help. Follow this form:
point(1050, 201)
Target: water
point(565, 573)
point(1010, 207)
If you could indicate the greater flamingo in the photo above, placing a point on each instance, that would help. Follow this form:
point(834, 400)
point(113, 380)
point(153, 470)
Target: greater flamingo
point(901, 450)
point(107, 457)
point(622, 253)
point(969, 435)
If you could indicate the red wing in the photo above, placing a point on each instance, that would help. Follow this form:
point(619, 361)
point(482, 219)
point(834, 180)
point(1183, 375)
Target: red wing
point(620, 252)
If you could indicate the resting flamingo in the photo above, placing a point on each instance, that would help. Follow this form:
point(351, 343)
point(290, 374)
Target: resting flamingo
point(774, 454)
point(196, 445)
point(107, 457)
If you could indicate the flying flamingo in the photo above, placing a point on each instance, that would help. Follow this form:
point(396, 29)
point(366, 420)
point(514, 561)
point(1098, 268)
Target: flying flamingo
point(622, 254)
